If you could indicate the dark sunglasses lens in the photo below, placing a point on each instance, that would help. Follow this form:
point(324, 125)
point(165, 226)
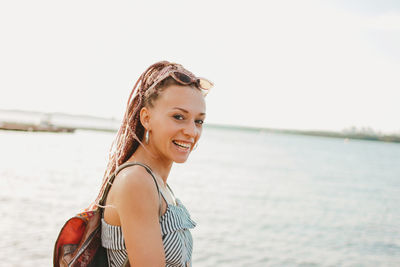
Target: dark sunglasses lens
point(182, 77)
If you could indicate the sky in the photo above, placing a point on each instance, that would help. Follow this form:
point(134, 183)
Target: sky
point(320, 65)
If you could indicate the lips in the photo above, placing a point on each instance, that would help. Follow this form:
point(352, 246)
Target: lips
point(182, 144)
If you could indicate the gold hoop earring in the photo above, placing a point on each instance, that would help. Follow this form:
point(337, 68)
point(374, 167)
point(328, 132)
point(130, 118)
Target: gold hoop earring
point(146, 137)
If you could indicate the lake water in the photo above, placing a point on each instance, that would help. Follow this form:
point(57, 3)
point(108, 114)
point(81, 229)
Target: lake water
point(259, 199)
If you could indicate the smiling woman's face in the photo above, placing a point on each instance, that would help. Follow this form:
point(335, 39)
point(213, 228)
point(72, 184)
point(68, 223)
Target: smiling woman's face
point(175, 122)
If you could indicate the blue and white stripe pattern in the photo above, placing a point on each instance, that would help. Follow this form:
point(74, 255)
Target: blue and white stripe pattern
point(177, 239)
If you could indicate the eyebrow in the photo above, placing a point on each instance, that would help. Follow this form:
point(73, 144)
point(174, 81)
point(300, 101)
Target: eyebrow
point(184, 110)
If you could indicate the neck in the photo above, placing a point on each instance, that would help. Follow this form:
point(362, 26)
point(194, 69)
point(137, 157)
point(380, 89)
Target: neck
point(160, 167)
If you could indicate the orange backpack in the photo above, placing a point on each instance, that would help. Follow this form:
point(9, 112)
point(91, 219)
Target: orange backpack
point(79, 242)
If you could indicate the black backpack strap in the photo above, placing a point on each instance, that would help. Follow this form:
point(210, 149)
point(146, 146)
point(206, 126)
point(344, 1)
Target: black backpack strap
point(124, 165)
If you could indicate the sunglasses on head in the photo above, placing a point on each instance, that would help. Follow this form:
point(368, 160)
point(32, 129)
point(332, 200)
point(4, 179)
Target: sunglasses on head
point(186, 79)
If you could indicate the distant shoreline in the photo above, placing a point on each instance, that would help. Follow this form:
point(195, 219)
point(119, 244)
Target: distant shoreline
point(332, 134)
point(62, 122)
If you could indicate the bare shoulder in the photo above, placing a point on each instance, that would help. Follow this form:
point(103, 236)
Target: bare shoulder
point(134, 185)
point(134, 180)
point(134, 175)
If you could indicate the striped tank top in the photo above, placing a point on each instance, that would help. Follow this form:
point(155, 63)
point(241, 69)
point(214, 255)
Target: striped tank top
point(177, 239)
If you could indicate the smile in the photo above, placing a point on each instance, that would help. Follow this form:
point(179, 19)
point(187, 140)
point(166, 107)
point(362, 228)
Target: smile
point(181, 144)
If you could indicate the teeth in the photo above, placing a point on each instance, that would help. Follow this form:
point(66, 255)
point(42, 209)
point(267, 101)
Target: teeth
point(185, 145)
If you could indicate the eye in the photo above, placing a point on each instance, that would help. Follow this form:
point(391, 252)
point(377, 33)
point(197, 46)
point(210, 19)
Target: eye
point(178, 117)
point(199, 121)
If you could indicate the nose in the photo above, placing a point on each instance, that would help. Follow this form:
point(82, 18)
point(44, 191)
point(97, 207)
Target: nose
point(191, 130)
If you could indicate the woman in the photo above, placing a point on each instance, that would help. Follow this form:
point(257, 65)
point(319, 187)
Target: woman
point(142, 221)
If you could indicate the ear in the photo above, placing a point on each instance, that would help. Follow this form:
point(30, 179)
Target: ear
point(145, 117)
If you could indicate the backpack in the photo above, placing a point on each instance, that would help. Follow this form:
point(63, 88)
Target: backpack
point(79, 241)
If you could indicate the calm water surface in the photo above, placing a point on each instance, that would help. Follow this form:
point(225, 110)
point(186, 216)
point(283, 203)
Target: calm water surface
point(259, 199)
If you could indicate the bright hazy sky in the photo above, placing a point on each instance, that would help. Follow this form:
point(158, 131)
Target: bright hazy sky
point(282, 64)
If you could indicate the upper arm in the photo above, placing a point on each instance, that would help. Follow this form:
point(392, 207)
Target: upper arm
point(137, 203)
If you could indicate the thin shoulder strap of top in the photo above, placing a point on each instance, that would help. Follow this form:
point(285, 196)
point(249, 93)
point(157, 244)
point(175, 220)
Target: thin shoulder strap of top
point(124, 165)
point(171, 190)
point(164, 195)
